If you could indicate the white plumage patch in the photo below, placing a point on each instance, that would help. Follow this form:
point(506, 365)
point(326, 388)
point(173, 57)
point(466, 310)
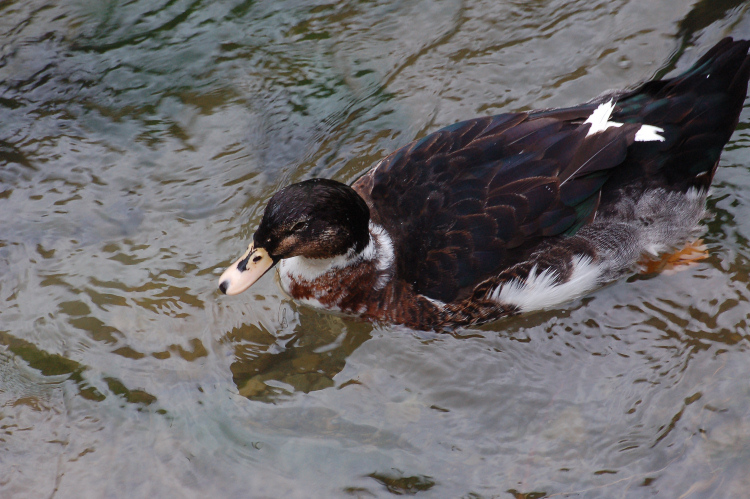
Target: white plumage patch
point(383, 248)
point(380, 249)
point(649, 133)
point(315, 303)
point(541, 289)
point(383, 254)
point(309, 269)
point(599, 121)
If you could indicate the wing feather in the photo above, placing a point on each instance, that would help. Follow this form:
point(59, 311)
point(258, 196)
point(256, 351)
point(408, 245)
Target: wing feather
point(474, 197)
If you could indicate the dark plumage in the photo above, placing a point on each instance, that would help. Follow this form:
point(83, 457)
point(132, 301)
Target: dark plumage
point(508, 213)
point(293, 223)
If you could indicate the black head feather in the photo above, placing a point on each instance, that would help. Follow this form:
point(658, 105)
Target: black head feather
point(317, 218)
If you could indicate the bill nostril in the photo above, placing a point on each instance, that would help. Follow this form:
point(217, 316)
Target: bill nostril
point(223, 285)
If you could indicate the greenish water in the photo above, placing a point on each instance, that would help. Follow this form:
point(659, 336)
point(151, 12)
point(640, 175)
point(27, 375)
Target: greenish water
point(139, 143)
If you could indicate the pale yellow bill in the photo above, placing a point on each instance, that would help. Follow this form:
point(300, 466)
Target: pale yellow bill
point(244, 272)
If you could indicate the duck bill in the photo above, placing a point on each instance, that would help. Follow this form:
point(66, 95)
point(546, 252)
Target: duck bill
point(244, 272)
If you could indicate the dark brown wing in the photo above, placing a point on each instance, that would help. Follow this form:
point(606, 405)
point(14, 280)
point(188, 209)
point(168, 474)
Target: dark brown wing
point(477, 196)
point(474, 197)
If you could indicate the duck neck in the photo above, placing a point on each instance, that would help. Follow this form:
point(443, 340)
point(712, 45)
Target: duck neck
point(334, 283)
point(376, 248)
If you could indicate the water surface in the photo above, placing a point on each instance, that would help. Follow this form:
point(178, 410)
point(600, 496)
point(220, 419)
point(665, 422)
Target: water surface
point(139, 143)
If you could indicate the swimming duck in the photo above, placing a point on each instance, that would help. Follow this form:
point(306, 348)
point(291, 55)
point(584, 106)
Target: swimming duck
point(506, 214)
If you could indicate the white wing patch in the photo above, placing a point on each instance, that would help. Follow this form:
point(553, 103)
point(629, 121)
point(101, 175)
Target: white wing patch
point(540, 290)
point(648, 133)
point(599, 121)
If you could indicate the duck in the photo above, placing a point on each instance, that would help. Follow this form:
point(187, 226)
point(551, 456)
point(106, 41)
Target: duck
point(507, 214)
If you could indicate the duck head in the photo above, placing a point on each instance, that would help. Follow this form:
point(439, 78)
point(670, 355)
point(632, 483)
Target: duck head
point(315, 219)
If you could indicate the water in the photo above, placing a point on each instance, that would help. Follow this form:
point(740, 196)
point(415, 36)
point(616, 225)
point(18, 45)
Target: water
point(139, 143)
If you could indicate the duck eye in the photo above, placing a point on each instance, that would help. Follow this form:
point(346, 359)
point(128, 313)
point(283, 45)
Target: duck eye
point(299, 226)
